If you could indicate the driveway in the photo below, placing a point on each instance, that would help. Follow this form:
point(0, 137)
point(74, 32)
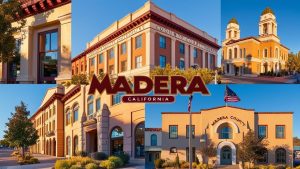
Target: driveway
point(8, 162)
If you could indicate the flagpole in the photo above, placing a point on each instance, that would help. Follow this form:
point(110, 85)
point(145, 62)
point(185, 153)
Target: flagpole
point(190, 134)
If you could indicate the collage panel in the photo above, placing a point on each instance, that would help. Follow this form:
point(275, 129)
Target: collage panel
point(149, 84)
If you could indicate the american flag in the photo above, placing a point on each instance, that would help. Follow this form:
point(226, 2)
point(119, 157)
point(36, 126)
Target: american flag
point(190, 103)
point(230, 95)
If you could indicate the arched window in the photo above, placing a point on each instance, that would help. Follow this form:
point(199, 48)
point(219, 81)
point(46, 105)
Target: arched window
point(139, 136)
point(264, 158)
point(230, 54)
point(280, 156)
point(266, 53)
point(90, 102)
point(68, 117)
point(226, 132)
point(75, 145)
point(276, 52)
point(116, 138)
point(235, 52)
point(75, 113)
point(68, 146)
point(153, 140)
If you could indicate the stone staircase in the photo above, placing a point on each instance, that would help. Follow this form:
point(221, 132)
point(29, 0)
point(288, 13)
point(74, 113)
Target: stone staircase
point(228, 166)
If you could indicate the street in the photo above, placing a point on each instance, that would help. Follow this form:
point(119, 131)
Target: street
point(257, 80)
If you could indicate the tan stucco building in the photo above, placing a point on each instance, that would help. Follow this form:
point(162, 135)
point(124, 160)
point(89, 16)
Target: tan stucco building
point(254, 55)
point(44, 44)
point(69, 120)
point(226, 127)
point(144, 39)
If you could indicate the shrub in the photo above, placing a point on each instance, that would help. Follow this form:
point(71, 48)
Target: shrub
point(15, 153)
point(125, 157)
point(62, 164)
point(76, 167)
point(281, 167)
point(116, 160)
point(34, 160)
point(81, 153)
point(107, 164)
point(91, 166)
point(194, 165)
point(169, 163)
point(177, 164)
point(99, 156)
point(158, 163)
point(185, 165)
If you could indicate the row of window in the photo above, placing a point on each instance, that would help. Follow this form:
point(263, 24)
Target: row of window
point(72, 115)
point(45, 116)
point(234, 53)
point(280, 156)
point(226, 131)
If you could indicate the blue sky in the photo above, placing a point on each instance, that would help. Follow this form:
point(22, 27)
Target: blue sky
point(259, 97)
point(89, 19)
point(247, 12)
point(12, 95)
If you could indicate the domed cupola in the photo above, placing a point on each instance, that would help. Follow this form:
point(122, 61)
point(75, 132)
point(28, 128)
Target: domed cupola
point(267, 23)
point(233, 30)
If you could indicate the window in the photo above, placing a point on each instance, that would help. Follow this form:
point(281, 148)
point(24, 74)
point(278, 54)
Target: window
point(75, 150)
point(195, 53)
point(101, 58)
point(193, 154)
point(111, 53)
point(92, 61)
point(98, 104)
point(68, 117)
point(230, 53)
point(235, 52)
point(68, 141)
point(262, 131)
point(280, 156)
point(123, 48)
point(181, 48)
point(53, 127)
point(117, 98)
point(162, 61)
point(280, 131)
point(187, 131)
point(90, 102)
point(162, 42)
point(123, 66)
point(264, 158)
point(48, 53)
point(173, 132)
point(241, 53)
point(153, 140)
point(138, 42)
point(181, 64)
point(244, 52)
point(226, 133)
point(266, 53)
point(138, 62)
point(75, 113)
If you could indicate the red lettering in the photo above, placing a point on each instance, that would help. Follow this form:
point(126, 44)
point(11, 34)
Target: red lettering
point(138, 80)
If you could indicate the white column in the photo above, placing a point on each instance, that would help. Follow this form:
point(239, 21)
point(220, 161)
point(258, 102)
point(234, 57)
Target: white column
point(26, 59)
point(203, 58)
point(173, 51)
point(186, 56)
point(64, 60)
point(116, 63)
point(192, 61)
point(150, 47)
point(129, 54)
point(209, 60)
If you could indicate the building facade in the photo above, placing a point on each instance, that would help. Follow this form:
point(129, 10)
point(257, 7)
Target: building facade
point(153, 142)
point(226, 127)
point(144, 39)
point(254, 55)
point(44, 44)
point(69, 121)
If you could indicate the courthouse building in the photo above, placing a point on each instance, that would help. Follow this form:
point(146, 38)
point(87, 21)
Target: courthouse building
point(44, 44)
point(144, 39)
point(226, 128)
point(254, 55)
point(69, 120)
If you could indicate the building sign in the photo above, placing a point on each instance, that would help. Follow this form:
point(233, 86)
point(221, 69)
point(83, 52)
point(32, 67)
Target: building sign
point(226, 118)
point(184, 38)
point(121, 38)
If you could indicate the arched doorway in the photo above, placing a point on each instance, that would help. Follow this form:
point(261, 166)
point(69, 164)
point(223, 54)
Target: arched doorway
point(50, 147)
point(116, 140)
point(139, 140)
point(54, 147)
point(226, 156)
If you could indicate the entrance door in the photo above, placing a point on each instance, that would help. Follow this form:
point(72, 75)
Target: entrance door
point(226, 156)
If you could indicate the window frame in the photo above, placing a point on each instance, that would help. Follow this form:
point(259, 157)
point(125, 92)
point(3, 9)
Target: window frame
point(283, 137)
point(258, 132)
point(138, 42)
point(181, 48)
point(162, 42)
point(170, 131)
point(138, 62)
point(160, 61)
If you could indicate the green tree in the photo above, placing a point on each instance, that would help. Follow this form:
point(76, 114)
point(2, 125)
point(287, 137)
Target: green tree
point(296, 141)
point(20, 132)
point(251, 148)
point(293, 62)
point(9, 10)
point(4, 143)
point(208, 151)
point(189, 73)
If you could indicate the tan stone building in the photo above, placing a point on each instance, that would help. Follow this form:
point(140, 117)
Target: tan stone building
point(254, 55)
point(144, 39)
point(44, 44)
point(69, 120)
point(226, 127)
